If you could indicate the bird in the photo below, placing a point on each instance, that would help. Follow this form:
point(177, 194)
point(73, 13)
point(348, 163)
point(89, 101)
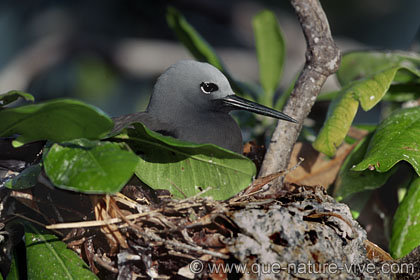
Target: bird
point(191, 101)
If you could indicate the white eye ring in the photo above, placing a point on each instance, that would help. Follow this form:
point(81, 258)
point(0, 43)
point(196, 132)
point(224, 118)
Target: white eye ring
point(208, 88)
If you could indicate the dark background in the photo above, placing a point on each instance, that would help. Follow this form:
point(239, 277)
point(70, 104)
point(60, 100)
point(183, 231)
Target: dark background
point(109, 53)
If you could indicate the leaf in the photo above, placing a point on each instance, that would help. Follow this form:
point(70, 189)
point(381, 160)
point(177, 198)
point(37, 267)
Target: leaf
point(13, 95)
point(339, 118)
point(26, 179)
point(49, 258)
point(396, 139)
point(361, 64)
point(202, 50)
point(366, 78)
point(89, 166)
point(271, 50)
point(55, 120)
point(406, 227)
point(343, 109)
point(350, 181)
point(184, 168)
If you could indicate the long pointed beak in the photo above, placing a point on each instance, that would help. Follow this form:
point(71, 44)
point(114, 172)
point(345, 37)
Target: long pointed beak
point(240, 103)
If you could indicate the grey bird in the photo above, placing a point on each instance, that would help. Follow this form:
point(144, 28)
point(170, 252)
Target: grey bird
point(191, 101)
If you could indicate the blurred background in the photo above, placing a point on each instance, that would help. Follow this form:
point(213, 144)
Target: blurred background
point(109, 53)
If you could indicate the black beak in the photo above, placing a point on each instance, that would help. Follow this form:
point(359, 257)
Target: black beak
point(239, 103)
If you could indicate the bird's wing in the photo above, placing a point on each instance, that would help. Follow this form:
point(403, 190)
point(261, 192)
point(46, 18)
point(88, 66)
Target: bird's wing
point(145, 118)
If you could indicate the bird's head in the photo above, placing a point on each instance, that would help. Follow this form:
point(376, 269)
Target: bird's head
point(196, 87)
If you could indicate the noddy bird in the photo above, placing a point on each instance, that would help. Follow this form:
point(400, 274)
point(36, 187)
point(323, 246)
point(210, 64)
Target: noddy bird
point(191, 101)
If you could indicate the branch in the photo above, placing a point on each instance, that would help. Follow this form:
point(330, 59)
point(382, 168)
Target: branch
point(322, 60)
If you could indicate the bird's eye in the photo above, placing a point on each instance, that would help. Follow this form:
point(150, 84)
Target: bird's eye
point(208, 88)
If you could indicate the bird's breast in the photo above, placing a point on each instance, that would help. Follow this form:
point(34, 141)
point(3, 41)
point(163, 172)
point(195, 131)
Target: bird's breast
point(219, 129)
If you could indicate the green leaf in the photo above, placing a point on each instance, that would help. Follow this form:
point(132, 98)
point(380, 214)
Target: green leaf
point(406, 227)
point(343, 110)
point(26, 179)
point(362, 64)
point(350, 181)
point(339, 118)
point(202, 50)
point(49, 258)
point(55, 120)
point(271, 50)
point(89, 166)
point(367, 77)
point(13, 95)
point(184, 168)
point(396, 139)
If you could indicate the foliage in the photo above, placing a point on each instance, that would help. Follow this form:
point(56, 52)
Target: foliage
point(376, 72)
point(89, 166)
point(55, 120)
point(186, 169)
point(48, 257)
point(81, 156)
point(368, 78)
point(73, 162)
point(405, 230)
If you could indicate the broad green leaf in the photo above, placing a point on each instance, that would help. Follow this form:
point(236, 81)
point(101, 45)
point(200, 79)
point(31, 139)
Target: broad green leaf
point(89, 166)
point(202, 50)
point(48, 257)
point(55, 120)
point(271, 51)
point(26, 179)
point(406, 227)
point(350, 181)
point(339, 118)
point(362, 64)
point(13, 95)
point(184, 168)
point(396, 139)
point(342, 111)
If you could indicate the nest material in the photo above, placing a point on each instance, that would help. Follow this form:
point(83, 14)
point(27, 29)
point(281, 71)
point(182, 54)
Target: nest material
point(142, 234)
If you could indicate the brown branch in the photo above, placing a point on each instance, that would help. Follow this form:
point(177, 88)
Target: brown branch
point(322, 60)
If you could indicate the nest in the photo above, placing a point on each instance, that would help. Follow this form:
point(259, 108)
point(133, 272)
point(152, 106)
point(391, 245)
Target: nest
point(145, 234)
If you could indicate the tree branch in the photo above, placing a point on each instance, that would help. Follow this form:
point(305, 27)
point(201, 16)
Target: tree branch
point(322, 60)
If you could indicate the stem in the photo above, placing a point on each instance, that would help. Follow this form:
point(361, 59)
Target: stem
point(322, 60)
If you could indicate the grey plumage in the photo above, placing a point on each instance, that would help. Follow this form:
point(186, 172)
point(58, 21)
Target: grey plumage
point(191, 101)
